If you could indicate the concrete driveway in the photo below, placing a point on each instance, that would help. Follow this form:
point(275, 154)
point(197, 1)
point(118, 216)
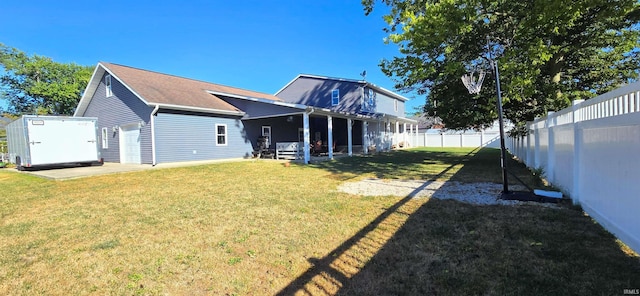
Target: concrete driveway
point(74, 172)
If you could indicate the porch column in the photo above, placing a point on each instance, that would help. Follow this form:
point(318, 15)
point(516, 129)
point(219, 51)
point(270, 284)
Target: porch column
point(365, 141)
point(411, 138)
point(396, 134)
point(388, 139)
point(404, 135)
point(307, 145)
point(330, 136)
point(379, 138)
point(349, 137)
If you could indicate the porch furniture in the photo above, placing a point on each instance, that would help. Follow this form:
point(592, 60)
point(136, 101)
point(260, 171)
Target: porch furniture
point(263, 150)
point(318, 148)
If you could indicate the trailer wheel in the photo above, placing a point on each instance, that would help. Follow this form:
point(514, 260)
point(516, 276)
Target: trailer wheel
point(19, 164)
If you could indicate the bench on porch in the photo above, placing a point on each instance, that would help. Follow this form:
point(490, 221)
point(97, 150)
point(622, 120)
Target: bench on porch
point(290, 150)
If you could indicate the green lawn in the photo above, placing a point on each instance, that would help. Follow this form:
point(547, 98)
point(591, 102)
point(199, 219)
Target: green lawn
point(262, 228)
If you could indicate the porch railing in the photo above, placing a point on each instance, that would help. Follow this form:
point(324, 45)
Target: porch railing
point(290, 150)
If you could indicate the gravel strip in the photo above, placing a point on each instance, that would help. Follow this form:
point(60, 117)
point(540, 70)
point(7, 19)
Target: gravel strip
point(474, 193)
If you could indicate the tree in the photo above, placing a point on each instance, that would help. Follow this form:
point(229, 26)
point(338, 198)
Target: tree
point(549, 53)
point(37, 84)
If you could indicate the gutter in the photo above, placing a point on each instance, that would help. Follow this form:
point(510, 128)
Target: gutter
point(153, 134)
point(198, 109)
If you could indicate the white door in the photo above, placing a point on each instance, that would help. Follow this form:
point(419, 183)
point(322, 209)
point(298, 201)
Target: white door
point(266, 132)
point(130, 144)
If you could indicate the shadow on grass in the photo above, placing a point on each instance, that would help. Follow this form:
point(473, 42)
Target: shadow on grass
point(445, 247)
point(455, 164)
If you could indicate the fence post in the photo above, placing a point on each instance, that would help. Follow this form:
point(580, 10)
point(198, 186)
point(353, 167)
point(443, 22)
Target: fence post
point(551, 151)
point(536, 146)
point(577, 149)
point(529, 160)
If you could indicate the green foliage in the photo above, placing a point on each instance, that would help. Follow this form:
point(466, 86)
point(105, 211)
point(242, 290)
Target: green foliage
point(549, 53)
point(37, 84)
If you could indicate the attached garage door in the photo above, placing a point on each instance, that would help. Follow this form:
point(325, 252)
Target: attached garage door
point(130, 144)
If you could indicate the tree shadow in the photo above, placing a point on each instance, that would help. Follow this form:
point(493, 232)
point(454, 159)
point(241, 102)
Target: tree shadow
point(324, 275)
point(446, 247)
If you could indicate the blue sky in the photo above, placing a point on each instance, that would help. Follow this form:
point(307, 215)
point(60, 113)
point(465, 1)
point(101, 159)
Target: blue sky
point(257, 45)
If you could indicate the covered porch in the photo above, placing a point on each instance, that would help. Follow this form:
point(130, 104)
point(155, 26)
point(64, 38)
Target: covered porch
point(317, 134)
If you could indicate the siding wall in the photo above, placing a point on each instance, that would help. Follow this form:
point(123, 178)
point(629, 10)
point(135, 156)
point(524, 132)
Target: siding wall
point(120, 109)
point(189, 137)
point(281, 129)
point(317, 92)
point(258, 109)
point(385, 105)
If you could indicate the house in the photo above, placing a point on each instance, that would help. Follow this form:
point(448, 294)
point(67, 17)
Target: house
point(364, 108)
point(150, 117)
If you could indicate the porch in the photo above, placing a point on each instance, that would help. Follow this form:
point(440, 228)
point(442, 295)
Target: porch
point(307, 136)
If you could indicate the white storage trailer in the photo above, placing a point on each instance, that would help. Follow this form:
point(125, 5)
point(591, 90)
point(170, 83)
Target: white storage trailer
point(53, 140)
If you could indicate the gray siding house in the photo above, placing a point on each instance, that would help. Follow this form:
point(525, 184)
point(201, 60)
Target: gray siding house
point(150, 117)
point(379, 114)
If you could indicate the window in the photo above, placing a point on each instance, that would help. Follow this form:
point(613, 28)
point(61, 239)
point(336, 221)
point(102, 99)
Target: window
point(221, 135)
point(395, 105)
point(335, 97)
point(107, 83)
point(105, 138)
point(266, 132)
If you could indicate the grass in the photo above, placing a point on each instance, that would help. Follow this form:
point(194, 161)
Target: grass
point(262, 228)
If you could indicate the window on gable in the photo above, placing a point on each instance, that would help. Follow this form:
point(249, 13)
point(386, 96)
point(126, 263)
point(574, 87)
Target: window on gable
point(221, 135)
point(395, 105)
point(107, 83)
point(105, 138)
point(335, 97)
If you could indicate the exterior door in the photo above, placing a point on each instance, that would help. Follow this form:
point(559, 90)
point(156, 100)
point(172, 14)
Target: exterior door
point(130, 144)
point(266, 132)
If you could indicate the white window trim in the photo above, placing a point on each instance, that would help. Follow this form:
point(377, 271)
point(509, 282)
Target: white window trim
point(105, 138)
point(226, 135)
point(337, 96)
point(264, 134)
point(108, 85)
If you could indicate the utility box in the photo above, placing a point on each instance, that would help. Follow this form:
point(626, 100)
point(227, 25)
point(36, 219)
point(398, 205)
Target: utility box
point(52, 140)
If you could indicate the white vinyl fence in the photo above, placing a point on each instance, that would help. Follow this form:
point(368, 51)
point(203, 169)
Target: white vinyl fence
point(590, 151)
point(480, 139)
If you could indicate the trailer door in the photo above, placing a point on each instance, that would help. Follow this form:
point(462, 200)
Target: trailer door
point(61, 141)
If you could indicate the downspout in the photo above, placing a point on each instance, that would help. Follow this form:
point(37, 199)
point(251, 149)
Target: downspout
point(153, 134)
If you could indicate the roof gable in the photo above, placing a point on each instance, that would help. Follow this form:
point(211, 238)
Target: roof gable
point(168, 91)
point(362, 82)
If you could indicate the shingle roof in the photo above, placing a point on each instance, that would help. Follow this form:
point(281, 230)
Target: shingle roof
point(169, 91)
point(159, 88)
